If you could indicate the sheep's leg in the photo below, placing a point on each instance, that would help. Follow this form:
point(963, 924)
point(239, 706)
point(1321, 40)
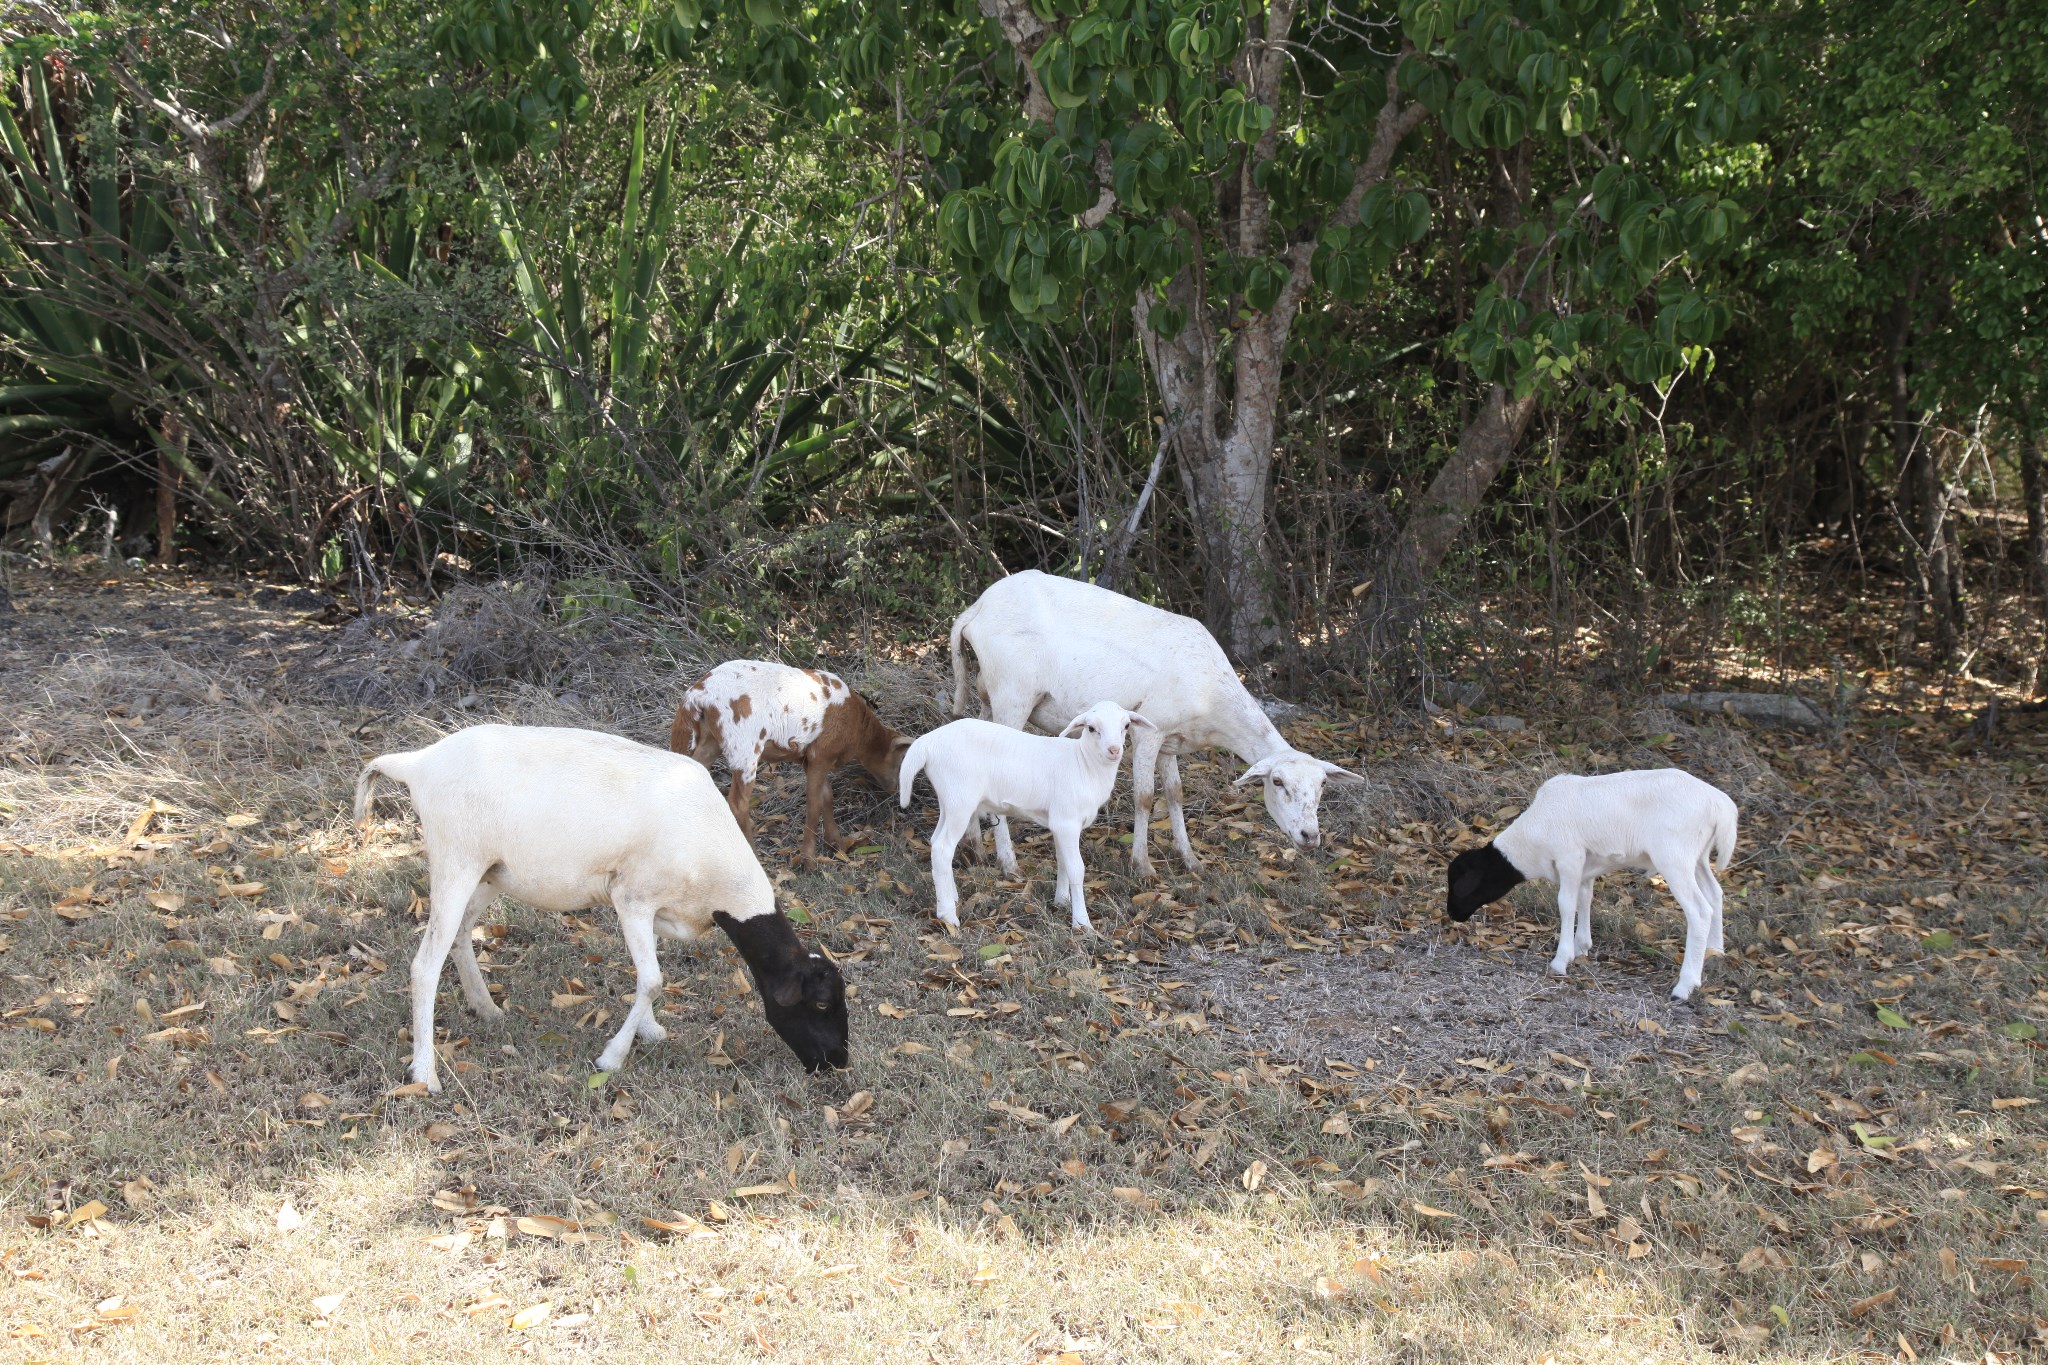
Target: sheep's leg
point(1144, 778)
point(1710, 888)
point(1015, 712)
point(1567, 916)
point(449, 900)
point(1006, 855)
point(945, 838)
point(833, 838)
point(1066, 847)
point(1177, 813)
point(740, 796)
point(1582, 925)
point(1699, 923)
point(817, 800)
point(474, 987)
point(636, 927)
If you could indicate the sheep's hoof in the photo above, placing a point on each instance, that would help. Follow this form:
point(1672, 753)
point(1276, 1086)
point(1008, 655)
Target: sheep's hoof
point(1557, 968)
point(427, 1077)
point(608, 1063)
point(489, 1009)
point(651, 1032)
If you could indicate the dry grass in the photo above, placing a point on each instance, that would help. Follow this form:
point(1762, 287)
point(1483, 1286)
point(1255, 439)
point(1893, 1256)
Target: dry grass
point(1106, 1148)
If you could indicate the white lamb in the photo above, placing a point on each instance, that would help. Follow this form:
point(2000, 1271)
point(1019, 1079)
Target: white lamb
point(1049, 646)
point(979, 768)
point(569, 819)
point(1657, 820)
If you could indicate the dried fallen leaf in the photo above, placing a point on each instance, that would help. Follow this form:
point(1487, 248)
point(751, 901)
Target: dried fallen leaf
point(1877, 1300)
point(451, 1241)
point(289, 1219)
point(528, 1318)
point(326, 1304)
point(2016, 1102)
point(85, 1213)
point(1818, 1160)
point(1427, 1212)
point(545, 1225)
point(241, 820)
point(170, 902)
point(1254, 1175)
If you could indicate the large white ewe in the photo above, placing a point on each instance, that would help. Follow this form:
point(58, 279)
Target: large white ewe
point(565, 820)
point(1657, 820)
point(1050, 646)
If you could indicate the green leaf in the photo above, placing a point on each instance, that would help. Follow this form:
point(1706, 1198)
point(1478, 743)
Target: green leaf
point(597, 1080)
point(1940, 941)
point(988, 952)
point(2021, 1030)
point(866, 849)
point(1891, 1018)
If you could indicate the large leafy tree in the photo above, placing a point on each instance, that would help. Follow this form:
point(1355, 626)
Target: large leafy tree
point(1215, 165)
point(1910, 244)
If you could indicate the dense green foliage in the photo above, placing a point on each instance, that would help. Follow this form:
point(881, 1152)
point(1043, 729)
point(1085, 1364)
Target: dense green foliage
point(1248, 303)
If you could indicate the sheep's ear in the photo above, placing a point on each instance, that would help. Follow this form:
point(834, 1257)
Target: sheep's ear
point(1141, 722)
point(901, 742)
point(1257, 770)
point(788, 992)
point(1074, 727)
point(1345, 774)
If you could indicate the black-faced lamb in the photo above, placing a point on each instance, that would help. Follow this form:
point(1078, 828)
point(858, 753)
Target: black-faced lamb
point(1657, 820)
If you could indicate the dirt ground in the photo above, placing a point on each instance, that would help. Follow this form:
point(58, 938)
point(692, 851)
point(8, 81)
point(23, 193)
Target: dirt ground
point(1277, 1109)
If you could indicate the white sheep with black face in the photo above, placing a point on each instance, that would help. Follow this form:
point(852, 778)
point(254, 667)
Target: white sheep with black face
point(565, 820)
point(978, 768)
point(1049, 646)
point(1657, 820)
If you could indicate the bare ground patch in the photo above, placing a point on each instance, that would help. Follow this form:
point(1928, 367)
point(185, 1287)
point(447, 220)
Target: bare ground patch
point(1050, 1144)
point(1426, 1008)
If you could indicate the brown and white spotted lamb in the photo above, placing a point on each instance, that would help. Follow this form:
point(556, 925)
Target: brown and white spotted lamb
point(750, 712)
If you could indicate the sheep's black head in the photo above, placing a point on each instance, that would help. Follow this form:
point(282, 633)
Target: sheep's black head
point(1479, 876)
point(802, 992)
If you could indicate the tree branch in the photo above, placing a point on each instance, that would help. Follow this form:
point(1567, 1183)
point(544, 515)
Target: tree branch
point(1026, 33)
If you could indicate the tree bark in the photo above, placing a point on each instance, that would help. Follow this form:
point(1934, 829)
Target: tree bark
point(167, 480)
point(1222, 442)
point(1453, 495)
point(2035, 495)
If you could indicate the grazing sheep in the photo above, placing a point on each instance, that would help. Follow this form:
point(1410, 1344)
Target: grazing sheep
point(979, 768)
point(1050, 646)
point(750, 712)
point(565, 820)
point(1658, 820)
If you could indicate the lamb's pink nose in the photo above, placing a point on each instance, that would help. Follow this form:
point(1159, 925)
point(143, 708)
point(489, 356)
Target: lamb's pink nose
point(1116, 751)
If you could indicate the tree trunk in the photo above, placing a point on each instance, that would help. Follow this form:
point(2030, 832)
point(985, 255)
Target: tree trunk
point(1453, 495)
point(167, 480)
point(2035, 496)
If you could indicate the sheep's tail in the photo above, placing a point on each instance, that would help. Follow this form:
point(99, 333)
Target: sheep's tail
point(960, 662)
point(366, 785)
point(1724, 838)
point(913, 764)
